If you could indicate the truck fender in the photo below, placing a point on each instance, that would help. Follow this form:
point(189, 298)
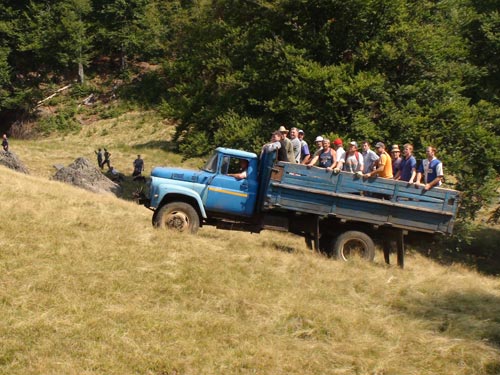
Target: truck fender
point(165, 190)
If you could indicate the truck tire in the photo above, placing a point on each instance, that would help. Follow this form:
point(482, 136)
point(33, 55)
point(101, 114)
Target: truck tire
point(352, 243)
point(178, 216)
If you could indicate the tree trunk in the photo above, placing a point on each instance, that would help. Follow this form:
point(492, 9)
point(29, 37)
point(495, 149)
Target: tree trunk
point(81, 74)
point(123, 58)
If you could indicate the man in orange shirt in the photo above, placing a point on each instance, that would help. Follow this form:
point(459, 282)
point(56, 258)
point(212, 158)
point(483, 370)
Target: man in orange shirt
point(384, 166)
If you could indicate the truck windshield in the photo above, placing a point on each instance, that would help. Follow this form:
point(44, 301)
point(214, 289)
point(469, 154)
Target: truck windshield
point(211, 164)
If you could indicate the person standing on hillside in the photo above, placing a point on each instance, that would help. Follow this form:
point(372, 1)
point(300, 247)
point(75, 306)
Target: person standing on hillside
point(138, 168)
point(5, 143)
point(107, 159)
point(431, 169)
point(99, 157)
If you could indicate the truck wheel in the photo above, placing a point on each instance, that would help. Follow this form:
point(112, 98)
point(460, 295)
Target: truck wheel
point(178, 216)
point(354, 243)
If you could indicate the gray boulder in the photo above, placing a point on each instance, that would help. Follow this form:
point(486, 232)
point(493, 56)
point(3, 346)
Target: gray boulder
point(10, 160)
point(84, 174)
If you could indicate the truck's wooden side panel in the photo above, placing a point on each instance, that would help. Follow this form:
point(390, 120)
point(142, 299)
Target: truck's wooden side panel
point(349, 197)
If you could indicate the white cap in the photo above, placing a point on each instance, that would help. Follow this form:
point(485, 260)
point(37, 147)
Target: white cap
point(319, 138)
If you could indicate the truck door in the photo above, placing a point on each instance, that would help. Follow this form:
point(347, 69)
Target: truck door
point(229, 194)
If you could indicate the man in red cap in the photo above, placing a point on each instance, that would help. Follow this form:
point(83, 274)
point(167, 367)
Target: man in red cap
point(337, 146)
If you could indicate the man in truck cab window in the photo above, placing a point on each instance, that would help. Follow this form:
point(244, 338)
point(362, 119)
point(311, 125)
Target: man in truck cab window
point(242, 170)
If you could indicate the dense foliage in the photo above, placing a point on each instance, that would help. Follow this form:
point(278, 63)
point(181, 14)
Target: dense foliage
point(424, 72)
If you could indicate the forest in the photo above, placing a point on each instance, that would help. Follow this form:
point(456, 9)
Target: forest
point(425, 72)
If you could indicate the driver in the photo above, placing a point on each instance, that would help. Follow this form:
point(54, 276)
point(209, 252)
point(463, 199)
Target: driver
point(242, 174)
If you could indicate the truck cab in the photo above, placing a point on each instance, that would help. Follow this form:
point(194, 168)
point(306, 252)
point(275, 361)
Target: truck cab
point(210, 192)
point(226, 194)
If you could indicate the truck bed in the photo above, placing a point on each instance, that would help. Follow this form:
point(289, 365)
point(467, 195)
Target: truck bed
point(347, 197)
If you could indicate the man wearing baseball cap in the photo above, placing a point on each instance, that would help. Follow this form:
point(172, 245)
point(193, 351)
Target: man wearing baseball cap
point(319, 147)
point(395, 159)
point(305, 154)
point(384, 163)
point(337, 146)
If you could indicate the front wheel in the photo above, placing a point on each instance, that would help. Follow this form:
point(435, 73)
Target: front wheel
point(178, 216)
point(353, 243)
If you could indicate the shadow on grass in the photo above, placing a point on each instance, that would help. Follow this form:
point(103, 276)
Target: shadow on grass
point(479, 251)
point(128, 185)
point(283, 248)
point(460, 315)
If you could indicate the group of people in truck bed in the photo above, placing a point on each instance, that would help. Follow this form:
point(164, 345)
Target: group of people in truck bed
point(291, 147)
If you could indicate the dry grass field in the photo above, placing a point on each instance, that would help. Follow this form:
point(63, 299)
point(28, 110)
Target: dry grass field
point(88, 286)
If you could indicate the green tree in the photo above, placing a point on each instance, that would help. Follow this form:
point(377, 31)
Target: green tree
point(15, 88)
point(5, 70)
point(483, 33)
point(129, 27)
point(37, 43)
point(74, 39)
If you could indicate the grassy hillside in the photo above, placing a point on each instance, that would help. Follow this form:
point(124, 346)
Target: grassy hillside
point(87, 286)
point(130, 134)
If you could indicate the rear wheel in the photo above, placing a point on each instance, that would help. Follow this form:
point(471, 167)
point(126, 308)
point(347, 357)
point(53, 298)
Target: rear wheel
point(177, 216)
point(353, 243)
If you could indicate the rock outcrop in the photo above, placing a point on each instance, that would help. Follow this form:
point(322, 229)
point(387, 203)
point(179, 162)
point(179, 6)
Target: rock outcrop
point(10, 160)
point(84, 174)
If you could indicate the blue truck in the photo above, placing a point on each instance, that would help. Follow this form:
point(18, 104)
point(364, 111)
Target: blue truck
point(341, 214)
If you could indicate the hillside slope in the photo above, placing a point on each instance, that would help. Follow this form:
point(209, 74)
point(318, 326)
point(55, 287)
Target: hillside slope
point(87, 286)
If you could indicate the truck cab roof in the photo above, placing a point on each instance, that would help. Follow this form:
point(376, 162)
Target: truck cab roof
point(237, 153)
